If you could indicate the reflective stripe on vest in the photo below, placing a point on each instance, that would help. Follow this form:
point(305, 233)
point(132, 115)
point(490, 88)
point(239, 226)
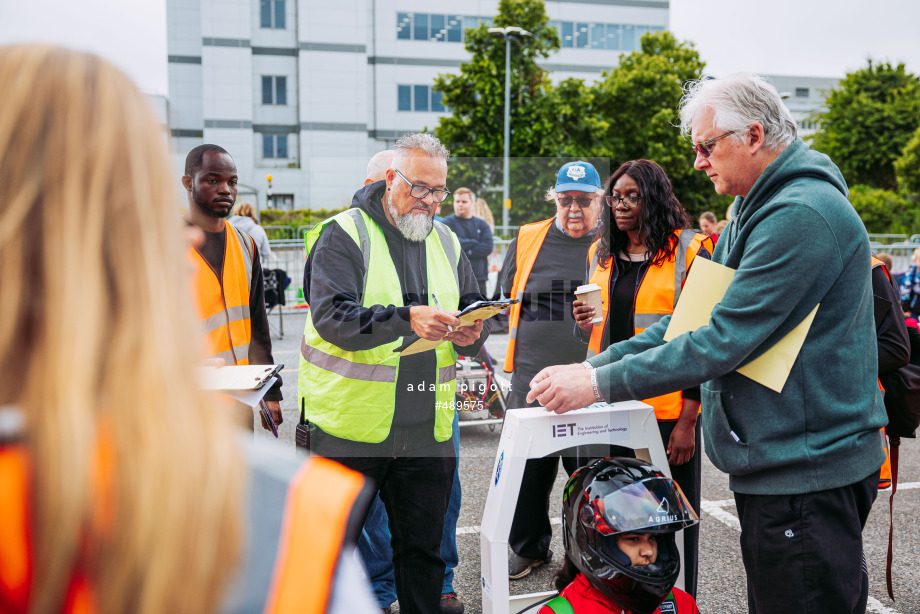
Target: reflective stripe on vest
point(529, 240)
point(656, 296)
point(223, 303)
point(319, 504)
point(352, 395)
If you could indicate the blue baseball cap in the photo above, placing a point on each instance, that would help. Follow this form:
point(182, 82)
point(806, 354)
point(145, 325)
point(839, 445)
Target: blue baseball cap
point(580, 176)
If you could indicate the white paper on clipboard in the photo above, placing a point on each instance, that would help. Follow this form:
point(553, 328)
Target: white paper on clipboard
point(251, 397)
point(236, 377)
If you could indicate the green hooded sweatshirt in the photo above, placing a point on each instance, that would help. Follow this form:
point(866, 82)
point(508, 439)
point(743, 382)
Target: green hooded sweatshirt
point(795, 242)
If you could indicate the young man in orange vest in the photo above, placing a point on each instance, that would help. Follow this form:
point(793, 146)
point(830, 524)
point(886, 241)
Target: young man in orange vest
point(228, 287)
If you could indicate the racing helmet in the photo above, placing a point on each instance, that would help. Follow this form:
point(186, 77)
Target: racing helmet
point(610, 496)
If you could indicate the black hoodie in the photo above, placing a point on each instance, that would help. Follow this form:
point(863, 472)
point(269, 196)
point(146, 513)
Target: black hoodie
point(333, 280)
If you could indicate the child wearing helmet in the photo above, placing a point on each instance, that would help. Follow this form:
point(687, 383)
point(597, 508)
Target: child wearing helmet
point(619, 517)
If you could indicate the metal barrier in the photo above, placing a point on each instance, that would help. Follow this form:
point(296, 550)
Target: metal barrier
point(279, 233)
point(289, 254)
point(900, 253)
point(888, 239)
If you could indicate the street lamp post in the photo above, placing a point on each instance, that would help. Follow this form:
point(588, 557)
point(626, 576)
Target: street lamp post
point(507, 33)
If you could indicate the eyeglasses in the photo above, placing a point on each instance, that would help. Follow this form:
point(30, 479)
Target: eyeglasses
point(421, 192)
point(703, 148)
point(631, 201)
point(566, 201)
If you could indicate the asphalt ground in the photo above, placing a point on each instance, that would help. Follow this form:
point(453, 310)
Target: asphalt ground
point(721, 577)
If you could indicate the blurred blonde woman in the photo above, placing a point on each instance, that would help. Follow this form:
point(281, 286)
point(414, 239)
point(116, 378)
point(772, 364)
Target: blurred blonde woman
point(122, 488)
point(244, 218)
point(481, 209)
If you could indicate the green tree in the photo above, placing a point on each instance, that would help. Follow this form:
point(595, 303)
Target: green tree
point(907, 167)
point(883, 211)
point(474, 132)
point(869, 119)
point(638, 102)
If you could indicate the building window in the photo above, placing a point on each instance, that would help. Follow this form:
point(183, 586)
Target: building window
point(281, 202)
point(609, 36)
point(403, 26)
point(419, 98)
point(435, 27)
point(420, 26)
point(275, 146)
point(271, 14)
point(801, 92)
point(274, 90)
point(404, 96)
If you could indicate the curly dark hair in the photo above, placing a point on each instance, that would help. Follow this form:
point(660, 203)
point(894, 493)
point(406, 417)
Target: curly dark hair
point(661, 214)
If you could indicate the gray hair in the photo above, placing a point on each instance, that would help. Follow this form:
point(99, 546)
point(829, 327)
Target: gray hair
point(736, 102)
point(418, 141)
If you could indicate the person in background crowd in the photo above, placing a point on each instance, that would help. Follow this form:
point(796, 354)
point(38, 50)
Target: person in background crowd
point(720, 228)
point(643, 253)
point(374, 543)
point(481, 209)
point(376, 274)
point(244, 218)
point(544, 266)
point(620, 553)
point(891, 334)
point(803, 464)
point(708, 223)
point(228, 282)
point(474, 233)
point(124, 489)
point(910, 286)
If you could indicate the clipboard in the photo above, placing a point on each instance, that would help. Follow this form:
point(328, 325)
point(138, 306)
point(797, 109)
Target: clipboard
point(480, 310)
point(237, 377)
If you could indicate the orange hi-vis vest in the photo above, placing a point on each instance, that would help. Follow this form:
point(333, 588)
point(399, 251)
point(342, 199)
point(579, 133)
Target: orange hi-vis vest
point(297, 527)
point(223, 301)
point(529, 241)
point(884, 478)
point(656, 296)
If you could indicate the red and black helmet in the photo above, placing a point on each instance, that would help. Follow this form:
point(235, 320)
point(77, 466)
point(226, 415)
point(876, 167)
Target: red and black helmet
point(610, 496)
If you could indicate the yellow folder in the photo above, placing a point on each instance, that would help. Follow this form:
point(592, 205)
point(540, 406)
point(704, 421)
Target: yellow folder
point(705, 286)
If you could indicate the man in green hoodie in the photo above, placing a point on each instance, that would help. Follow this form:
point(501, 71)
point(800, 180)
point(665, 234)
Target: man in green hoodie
point(803, 463)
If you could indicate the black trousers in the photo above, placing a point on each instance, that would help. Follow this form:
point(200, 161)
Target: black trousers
point(414, 482)
point(531, 532)
point(803, 553)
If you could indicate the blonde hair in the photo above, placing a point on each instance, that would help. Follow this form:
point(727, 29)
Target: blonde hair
point(481, 209)
point(246, 210)
point(95, 329)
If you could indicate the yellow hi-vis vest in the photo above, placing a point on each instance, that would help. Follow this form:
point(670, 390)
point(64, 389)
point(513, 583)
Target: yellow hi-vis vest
point(655, 298)
point(352, 395)
point(223, 302)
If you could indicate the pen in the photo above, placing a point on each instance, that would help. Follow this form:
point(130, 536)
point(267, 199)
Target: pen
point(438, 303)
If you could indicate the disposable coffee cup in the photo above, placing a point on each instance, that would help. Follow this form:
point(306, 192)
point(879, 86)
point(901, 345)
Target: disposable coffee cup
point(590, 294)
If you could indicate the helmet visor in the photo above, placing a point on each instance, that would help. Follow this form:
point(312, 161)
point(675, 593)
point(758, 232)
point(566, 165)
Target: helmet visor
point(654, 504)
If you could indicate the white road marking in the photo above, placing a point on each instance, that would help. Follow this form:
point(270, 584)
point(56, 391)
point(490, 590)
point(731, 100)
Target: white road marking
point(473, 530)
point(874, 605)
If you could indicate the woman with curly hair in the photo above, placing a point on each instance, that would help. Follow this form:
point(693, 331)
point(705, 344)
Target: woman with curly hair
point(640, 260)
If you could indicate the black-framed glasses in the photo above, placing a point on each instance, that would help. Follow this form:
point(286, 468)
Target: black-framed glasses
point(703, 149)
point(582, 201)
point(631, 201)
point(420, 192)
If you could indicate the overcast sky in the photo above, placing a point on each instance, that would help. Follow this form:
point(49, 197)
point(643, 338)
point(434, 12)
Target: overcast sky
point(824, 38)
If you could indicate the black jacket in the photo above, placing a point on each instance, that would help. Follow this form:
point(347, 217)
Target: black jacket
point(333, 282)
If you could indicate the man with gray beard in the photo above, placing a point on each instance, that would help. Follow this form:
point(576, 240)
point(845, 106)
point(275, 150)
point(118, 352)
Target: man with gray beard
point(376, 274)
point(544, 266)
